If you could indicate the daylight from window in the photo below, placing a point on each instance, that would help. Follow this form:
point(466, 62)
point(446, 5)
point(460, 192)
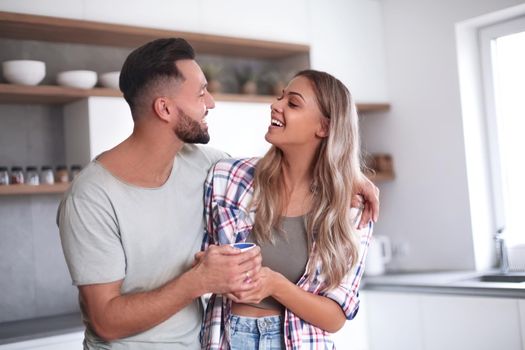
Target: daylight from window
point(508, 53)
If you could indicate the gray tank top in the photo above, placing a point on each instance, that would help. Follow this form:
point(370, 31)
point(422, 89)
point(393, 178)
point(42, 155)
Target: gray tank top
point(288, 256)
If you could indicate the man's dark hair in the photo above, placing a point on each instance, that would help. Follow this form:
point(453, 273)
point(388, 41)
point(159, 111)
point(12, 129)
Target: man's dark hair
point(151, 62)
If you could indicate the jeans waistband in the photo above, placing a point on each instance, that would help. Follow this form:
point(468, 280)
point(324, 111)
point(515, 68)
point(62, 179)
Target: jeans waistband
point(261, 325)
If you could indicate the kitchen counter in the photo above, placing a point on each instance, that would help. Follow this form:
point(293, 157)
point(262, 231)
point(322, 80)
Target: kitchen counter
point(11, 332)
point(457, 283)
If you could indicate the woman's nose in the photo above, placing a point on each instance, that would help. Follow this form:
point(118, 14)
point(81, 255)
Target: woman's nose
point(276, 106)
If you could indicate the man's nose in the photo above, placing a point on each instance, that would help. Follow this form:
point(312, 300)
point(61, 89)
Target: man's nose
point(210, 102)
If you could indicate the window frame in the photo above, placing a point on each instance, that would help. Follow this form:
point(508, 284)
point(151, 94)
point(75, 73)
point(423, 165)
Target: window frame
point(486, 40)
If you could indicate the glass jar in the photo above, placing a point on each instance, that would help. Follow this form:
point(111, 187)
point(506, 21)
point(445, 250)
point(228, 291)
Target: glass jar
point(17, 175)
point(32, 177)
point(61, 174)
point(46, 175)
point(4, 176)
point(75, 170)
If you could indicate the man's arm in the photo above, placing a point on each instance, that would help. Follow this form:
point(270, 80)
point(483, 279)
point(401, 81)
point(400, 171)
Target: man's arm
point(367, 198)
point(220, 270)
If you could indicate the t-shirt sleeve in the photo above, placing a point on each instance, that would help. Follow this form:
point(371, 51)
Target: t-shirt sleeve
point(90, 240)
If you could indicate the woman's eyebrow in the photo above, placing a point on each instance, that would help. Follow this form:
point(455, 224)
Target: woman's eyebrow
point(297, 94)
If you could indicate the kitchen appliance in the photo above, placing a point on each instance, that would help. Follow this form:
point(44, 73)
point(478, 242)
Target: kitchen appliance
point(379, 254)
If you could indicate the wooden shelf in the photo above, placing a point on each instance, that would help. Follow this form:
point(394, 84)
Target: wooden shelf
point(49, 94)
point(62, 187)
point(31, 27)
point(373, 107)
point(31, 189)
point(52, 94)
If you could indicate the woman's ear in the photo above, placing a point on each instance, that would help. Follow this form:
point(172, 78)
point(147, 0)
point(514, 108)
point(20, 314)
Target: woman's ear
point(323, 129)
point(163, 108)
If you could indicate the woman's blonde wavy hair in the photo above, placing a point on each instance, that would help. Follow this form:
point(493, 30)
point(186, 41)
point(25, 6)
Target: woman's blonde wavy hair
point(329, 224)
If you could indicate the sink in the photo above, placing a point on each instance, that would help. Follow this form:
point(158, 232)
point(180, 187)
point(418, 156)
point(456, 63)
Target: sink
point(505, 278)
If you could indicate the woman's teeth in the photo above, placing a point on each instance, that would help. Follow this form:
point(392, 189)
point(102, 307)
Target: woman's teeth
point(276, 122)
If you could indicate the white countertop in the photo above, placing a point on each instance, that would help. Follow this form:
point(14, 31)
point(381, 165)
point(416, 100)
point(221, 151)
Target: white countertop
point(450, 282)
point(15, 331)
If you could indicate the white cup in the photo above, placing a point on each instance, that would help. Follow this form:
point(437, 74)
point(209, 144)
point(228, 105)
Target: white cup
point(243, 246)
point(379, 254)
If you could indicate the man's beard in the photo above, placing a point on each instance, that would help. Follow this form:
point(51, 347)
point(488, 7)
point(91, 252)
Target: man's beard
point(189, 130)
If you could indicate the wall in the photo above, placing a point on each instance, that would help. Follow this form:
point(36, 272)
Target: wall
point(348, 43)
point(426, 209)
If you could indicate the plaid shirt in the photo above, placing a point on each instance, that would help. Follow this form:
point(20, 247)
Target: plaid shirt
point(228, 193)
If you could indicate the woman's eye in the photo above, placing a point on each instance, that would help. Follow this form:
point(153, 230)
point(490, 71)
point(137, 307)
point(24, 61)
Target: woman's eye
point(292, 105)
point(280, 98)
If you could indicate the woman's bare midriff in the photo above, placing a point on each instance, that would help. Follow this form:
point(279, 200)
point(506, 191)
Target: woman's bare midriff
point(252, 311)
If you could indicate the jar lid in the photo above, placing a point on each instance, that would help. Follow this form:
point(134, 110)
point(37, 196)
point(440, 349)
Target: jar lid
point(76, 167)
point(31, 168)
point(61, 167)
point(46, 167)
point(3, 168)
point(16, 168)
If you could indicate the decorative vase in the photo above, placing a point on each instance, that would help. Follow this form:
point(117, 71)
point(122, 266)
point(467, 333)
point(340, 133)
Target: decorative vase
point(249, 88)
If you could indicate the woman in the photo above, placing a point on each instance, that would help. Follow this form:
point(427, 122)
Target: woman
point(295, 203)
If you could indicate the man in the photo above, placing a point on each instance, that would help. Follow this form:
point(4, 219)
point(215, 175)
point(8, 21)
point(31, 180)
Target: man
point(133, 219)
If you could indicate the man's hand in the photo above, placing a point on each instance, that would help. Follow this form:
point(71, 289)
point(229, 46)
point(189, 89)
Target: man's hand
point(224, 269)
point(366, 197)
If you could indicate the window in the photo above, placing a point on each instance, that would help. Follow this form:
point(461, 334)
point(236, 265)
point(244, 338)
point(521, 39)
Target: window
point(503, 67)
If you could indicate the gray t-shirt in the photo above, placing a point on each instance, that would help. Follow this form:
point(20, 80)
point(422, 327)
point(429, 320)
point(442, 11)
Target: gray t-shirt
point(288, 254)
point(112, 230)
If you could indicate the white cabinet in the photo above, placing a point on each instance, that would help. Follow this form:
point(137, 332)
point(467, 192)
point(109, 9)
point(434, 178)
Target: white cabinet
point(94, 125)
point(239, 128)
point(521, 304)
point(353, 335)
point(394, 321)
point(463, 322)
point(71, 341)
point(411, 321)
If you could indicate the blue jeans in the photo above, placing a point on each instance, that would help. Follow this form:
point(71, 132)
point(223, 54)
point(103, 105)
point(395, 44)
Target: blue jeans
point(263, 333)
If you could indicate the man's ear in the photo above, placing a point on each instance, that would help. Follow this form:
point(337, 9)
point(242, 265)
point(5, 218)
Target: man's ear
point(323, 129)
point(164, 108)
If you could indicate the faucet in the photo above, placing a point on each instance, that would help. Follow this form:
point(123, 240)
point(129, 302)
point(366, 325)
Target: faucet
point(501, 248)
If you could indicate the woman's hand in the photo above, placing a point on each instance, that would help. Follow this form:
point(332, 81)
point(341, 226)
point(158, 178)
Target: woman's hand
point(367, 198)
point(265, 280)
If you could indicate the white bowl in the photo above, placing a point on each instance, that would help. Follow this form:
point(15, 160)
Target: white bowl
point(24, 72)
point(82, 79)
point(110, 80)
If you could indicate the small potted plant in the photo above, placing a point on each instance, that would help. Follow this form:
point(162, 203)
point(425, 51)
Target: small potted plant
point(247, 80)
point(274, 82)
point(212, 72)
